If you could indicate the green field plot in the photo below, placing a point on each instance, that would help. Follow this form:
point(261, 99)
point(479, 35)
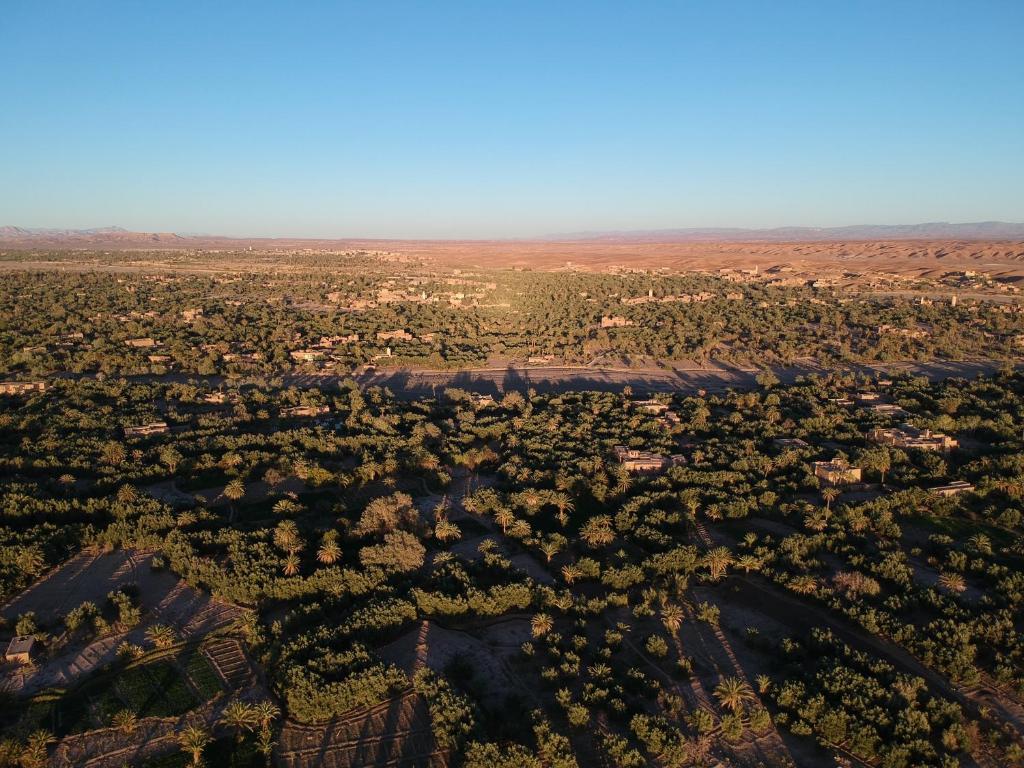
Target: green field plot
point(202, 675)
point(166, 687)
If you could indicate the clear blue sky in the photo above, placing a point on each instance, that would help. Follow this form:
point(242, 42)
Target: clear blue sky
point(437, 119)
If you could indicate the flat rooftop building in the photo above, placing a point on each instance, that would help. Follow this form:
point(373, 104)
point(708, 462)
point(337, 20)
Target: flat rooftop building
point(952, 489)
point(838, 471)
point(887, 409)
point(305, 411)
point(144, 430)
point(635, 460)
point(789, 442)
point(907, 436)
point(19, 650)
point(21, 387)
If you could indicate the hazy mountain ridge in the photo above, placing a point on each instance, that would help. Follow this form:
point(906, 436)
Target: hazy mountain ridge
point(981, 230)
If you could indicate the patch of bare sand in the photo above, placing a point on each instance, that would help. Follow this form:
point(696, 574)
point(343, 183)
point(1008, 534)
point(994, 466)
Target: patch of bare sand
point(435, 647)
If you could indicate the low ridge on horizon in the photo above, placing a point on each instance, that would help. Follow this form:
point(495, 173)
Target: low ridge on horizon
point(982, 230)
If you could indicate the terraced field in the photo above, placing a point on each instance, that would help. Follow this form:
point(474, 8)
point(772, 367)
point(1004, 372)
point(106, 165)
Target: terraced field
point(393, 734)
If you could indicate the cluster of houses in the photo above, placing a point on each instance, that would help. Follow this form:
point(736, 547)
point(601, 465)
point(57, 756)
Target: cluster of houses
point(686, 298)
point(389, 293)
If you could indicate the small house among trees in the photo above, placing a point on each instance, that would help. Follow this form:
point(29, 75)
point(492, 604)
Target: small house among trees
point(952, 489)
point(635, 460)
point(838, 471)
point(21, 387)
point(19, 650)
point(144, 430)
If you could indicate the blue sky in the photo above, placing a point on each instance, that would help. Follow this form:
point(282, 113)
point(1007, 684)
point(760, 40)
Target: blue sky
point(478, 119)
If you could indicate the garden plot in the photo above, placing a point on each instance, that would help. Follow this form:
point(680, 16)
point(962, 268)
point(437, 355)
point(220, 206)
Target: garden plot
point(229, 659)
point(90, 577)
point(395, 733)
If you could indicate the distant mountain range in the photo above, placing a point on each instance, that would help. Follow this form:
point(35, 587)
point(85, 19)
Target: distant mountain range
point(980, 230)
point(117, 237)
point(83, 238)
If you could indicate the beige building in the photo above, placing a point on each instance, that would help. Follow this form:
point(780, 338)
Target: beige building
point(952, 489)
point(635, 460)
point(145, 343)
point(306, 355)
point(21, 387)
point(398, 335)
point(304, 411)
point(144, 430)
point(906, 436)
point(615, 321)
point(651, 406)
point(333, 341)
point(19, 650)
point(838, 471)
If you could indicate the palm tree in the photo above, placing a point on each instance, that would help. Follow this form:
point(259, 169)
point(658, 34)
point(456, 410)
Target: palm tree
point(732, 693)
point(34, 754)
point(829, 494)
point(193, 738)
point(803, 585)
point(234, 490)
point(571, 572)
point(125, 720)
point(541, 624)
point(550, 548)
point(562, 503)
point(240, 716)
point(718, 561)
point(445, 530)
point(672, 617)
point(981, 543)
point(598, 531)
point(881, 462)
point(764, 684)
point(330, 551)
point(161, 635)
point(291, 564)
point(748, 563)
point(287, 507)
point(265, 744)
point(286, 537)
point(504, 517)
point(817, 519)
point(266, 712)
point(952, 582)
point(623, 480)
